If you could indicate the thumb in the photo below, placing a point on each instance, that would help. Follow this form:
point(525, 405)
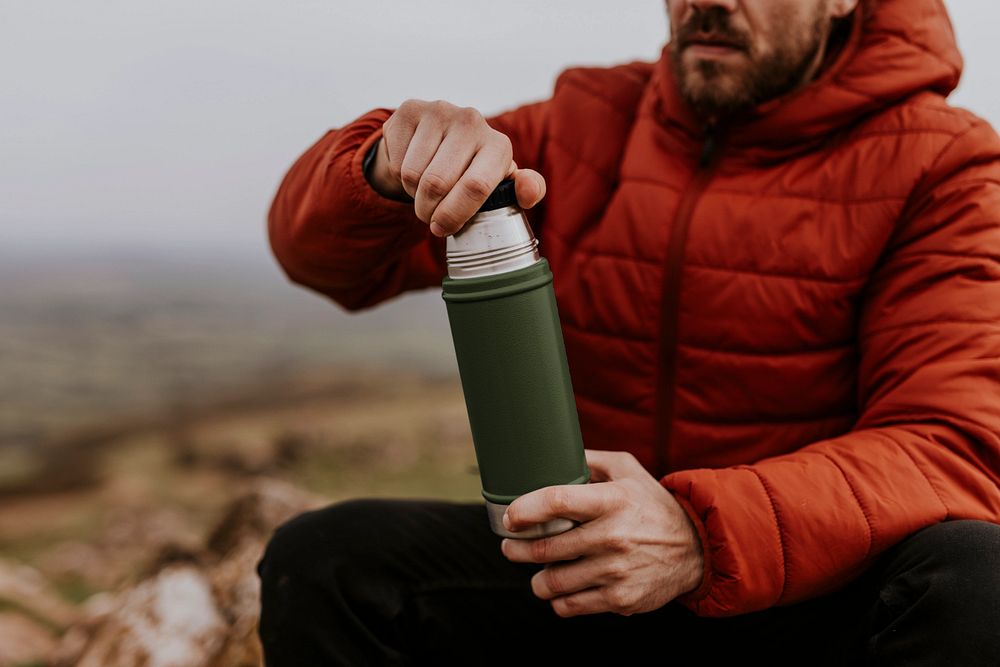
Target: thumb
point(529, 186)
point(606, 466)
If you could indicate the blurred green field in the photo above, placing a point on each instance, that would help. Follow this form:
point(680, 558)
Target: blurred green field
point(142, 395)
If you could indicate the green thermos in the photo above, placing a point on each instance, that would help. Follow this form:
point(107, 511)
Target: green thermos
point(512, 360)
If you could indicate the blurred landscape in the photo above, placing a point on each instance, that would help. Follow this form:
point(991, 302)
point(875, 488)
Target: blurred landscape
point(142, 395)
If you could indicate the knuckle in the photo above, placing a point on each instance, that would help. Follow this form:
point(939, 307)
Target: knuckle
point(476, 188)
point(441, 108)
point(566, 606)
point(410, 109)
point(554, 581)
point(618, 569)
point(539, 550)
point(616, 541)
point(618, 496)
point(503, 142)
point(617, 598)
point(433, 185)
point(451, 223)
point(468, 116)
point(558, 500)
point(540, 588)
point(407, 175)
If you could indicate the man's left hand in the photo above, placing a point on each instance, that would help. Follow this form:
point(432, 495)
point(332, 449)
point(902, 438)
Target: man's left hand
point(635, 550)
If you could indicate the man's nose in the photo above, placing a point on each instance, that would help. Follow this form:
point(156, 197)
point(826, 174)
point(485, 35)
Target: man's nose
point(728, 5)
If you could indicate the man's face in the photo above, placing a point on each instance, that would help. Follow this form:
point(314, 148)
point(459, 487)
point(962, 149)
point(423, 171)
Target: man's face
point(733, 54)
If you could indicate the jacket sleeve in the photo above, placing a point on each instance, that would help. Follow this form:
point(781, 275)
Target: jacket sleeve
point(331, 232)
point(926, 446)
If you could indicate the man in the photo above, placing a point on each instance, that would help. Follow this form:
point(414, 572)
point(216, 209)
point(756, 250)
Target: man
point(777, 261)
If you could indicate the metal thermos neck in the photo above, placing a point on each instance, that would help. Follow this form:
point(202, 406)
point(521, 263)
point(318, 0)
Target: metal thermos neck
point(492, 242)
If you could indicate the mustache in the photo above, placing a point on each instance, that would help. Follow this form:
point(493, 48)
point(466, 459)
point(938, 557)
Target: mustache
point(711, 24)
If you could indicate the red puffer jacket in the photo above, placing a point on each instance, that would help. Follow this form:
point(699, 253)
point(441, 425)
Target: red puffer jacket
point(794, 323)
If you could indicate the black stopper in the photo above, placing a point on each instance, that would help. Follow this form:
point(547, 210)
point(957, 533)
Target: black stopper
point(502, 195)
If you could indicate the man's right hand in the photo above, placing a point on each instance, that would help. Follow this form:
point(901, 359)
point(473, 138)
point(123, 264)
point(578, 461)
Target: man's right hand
point(448, 160)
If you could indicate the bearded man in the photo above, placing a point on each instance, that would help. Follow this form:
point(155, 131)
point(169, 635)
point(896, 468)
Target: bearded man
point(776, 254)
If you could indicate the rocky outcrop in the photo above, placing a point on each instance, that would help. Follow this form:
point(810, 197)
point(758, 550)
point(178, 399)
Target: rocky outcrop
point(23, 640)
point(196, 609)
point(24, 588)
point(169, 620)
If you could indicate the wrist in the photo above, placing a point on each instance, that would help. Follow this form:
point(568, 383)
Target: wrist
point(375, 172)
point(701, 543)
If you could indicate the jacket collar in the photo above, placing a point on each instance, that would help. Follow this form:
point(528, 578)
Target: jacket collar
point(895, 49)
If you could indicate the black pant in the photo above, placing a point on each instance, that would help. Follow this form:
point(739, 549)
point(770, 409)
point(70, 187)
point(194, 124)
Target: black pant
point(384, 582)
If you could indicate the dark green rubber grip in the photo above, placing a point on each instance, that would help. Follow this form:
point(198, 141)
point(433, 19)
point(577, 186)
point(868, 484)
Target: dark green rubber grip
point(518, 392)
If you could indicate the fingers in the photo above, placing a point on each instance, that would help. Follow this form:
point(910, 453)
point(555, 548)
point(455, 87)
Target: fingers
point(590, 601)
point(479, 179)
point(422, 147)
point(397, 133)
point(606, 466)
point(439, 176)
point(580, 502)
point(566, 578)
point(580, 575)
point(595, 601)
point(448, 160)
point(564, 546)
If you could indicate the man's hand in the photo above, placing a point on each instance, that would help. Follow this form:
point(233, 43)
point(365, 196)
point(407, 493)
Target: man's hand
point(635, 551)
point(448, 160)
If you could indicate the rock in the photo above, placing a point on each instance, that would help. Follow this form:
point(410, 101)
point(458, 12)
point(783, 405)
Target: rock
point(127, 537)
point(25, 588)
point(23, 641)
point(237, 591)
point(195, 610)
point(255, 515)
point(74, 641)
point(170, 620)
point(238, 542)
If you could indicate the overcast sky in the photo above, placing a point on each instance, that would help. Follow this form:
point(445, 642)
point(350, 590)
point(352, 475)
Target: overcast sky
point(169, 124)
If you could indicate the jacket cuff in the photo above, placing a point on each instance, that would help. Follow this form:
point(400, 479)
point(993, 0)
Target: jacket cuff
point(694, 596)
point(367, 201)
point(369, 158)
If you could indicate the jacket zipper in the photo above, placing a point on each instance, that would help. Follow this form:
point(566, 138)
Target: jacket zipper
point(671, 301)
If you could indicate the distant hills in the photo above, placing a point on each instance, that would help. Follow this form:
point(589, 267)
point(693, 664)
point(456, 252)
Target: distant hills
point(91, 337)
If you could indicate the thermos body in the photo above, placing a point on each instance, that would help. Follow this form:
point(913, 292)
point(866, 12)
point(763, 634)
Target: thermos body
point(512, 363)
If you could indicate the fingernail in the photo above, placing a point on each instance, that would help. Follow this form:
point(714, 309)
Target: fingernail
point(436, 229)
point(506, 521)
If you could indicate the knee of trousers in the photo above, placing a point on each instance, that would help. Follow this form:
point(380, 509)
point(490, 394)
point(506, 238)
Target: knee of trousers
point(323, 546)
point(953, 567)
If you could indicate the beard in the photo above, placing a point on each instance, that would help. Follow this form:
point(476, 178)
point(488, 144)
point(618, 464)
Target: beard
point(716, 89)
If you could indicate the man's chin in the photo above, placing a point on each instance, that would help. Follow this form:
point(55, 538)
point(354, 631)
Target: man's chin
point(713, 83)
point(713, 96)
point(712, 87)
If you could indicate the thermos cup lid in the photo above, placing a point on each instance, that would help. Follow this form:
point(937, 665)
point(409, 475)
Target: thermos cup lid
point(502, 195)
point(495, 240)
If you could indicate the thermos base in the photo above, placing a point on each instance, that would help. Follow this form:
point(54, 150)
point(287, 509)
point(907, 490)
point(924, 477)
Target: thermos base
point(547, 529)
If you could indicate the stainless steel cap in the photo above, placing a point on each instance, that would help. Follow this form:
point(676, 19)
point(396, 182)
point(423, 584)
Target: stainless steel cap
point(492, 242)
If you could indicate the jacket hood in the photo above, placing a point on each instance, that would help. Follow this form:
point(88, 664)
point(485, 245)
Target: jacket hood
point(895, 49)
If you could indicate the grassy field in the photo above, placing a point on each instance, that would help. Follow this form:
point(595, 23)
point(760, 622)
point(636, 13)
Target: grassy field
point(141, 395)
